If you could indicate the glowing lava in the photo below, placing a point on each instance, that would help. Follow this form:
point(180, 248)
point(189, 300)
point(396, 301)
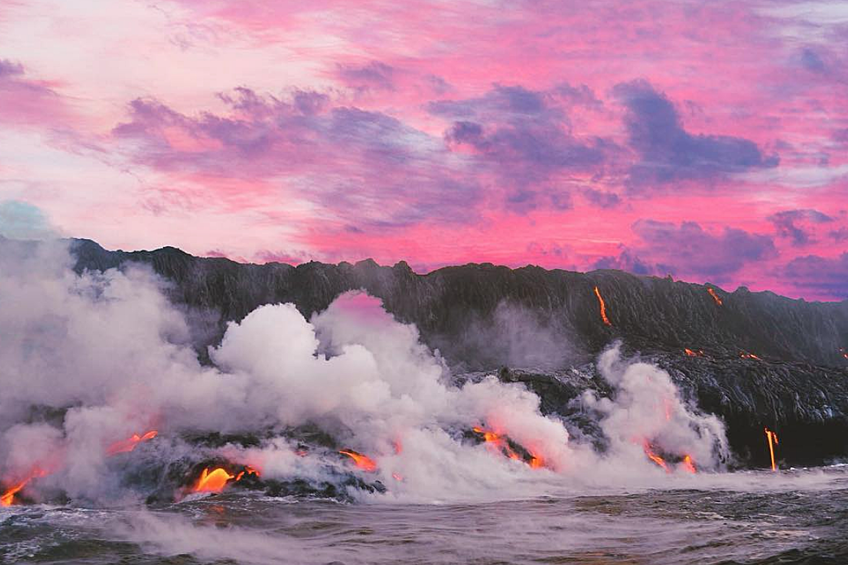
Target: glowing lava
point(362, 461)
point(248, 470)
point(843, 352)
point(503, 444)
point(603, 307)
point(694, 352)
point(715, 296)
point(689, 464)
point(127, 445)
point(772, 441)
point(213, 481)
point(746, 355)
point(655, 458)
point(8, 497)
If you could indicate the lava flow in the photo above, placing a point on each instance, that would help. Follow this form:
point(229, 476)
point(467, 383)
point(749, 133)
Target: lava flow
point(689, 465)
point(694, 352)
point(655, 458)
point(510, 449)
point(772, 441)
point(216, 479)
point(362, 461)
point(213, 481)
point(603, 307)
point(8, 497)
point(127, 445)
point(746, 355)
point(715, 296)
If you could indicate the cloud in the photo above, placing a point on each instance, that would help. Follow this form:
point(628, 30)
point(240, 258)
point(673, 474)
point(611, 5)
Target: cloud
point(795, 224)
point(525, 137)
point(820, 276)
point(21, 220)
point(9, 69)
point(602, 199)
point(668, 153)
point(690, 250)
point(374, 74)
point(811, 61)
point(627, 260)
point(25, 101)
point(365, 167)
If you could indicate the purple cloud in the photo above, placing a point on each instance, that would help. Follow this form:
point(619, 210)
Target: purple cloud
point(669, 153)
point(374, 75)
point(364, 166)
point(691, 251)
point(787, 224)
point(820, 276)
point(525, 137)
point(9, 68)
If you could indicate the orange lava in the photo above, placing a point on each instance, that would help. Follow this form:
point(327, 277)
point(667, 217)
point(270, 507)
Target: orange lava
point(8, 497)
point(603, 307)
point(843, 352)
point(694, 352)
point(746, 355)
point(655, 458)
point(715, 296)
point(248, 470)
point(501, 442)
point(213, 481)
point(362, 461)
point(772, 441)
point(127, 445)
point(689, 464)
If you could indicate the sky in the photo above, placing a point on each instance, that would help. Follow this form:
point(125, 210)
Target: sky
point(703, 140)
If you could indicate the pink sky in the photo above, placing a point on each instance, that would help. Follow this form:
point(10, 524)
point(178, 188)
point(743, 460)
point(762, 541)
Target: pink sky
point(708, 141)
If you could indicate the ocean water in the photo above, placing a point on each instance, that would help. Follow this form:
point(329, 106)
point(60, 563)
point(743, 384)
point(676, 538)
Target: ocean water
point(796, 517)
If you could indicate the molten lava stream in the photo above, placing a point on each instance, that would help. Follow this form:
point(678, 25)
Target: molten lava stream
point(689, 464)
point(213, 481)
point(129, 444)
point(715, 296)
point(603, 307)
point(362, 461)
point(501, 443)
point(772, 441)
point(655, 458)
point(8, 497)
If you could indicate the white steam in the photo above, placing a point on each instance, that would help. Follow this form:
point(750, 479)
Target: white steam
point(88, 360)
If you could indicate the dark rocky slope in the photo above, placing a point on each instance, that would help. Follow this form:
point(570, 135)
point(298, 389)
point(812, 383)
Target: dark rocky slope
point(483, 317)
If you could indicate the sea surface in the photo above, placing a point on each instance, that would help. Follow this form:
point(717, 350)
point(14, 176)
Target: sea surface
point(745, 518)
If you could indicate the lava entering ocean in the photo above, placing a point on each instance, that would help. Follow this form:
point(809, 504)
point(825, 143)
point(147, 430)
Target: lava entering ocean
point(216, 479)
point(288, 394)
point(129, 444)
point(8, 497)
point(771, 437)
point(362, 461)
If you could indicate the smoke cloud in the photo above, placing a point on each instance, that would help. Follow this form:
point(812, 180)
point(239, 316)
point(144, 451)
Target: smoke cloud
point(90, 359)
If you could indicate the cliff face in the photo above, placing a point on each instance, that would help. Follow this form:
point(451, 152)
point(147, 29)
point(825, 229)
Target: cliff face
point(755, 358)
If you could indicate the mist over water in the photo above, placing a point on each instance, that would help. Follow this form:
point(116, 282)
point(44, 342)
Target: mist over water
point(91, 361)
